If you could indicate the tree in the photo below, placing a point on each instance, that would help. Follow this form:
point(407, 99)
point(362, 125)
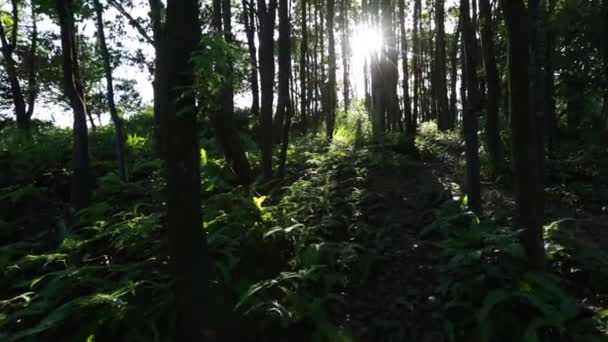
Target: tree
point(441, 90)
point(222, 118)
point(107, 67)
point(471, 111)
point(284, 105)
point(187, 240)
point(454, 76)
point(303, 67)
point(493, 141)
point(526, 171)
point(250, 28)
point(345, 54)
point(23, 112)
point(416, 67)
point(407, 106)
point(266, 16)
point(330, 110)
point(73, 87)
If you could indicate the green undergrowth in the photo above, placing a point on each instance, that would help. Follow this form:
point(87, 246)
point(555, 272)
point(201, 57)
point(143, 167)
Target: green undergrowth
point(489, 295)
point(280, 252)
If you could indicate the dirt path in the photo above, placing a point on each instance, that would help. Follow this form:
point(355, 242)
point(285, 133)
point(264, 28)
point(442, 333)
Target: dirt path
point(397, 300)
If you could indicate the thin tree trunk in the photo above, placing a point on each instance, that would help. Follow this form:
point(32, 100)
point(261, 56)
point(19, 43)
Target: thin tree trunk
point(551, 115)
point(493, 141)
point(345, 55)
point(330, 111)
point(116, 119)
point(284, 77)
point(32, 87)
point(407, 106)
point(190, 261)
point(454, 77)
point(441, 89)
point(303, 67)
point(266, 15)
point(81, 182)
point(473, 187)
point(526, 173)
point(7, 49)
point(160, 98)
point(250, 27)
point(416, 66)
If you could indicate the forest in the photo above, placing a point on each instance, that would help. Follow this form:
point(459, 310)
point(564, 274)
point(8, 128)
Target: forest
point(304, 170)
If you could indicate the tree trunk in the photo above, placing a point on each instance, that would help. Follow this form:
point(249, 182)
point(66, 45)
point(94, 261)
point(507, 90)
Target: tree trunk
point(160, 98)
point(303, 68)
point(454, 77)
point(7, 49)
point(107, 68)
point(345, 55)
point(187, 240)
point(493, 141)
point(284, 104)
point(407, 106)
point(284, 46)
point(416, 66)
point(330, 111)
point(81, 182)
point(32, 88)
point(222, 118)
point(250, 27)
point(551, 114)
point(266, 15)
point(526, 173)
point(441, 89)
point(469, 121)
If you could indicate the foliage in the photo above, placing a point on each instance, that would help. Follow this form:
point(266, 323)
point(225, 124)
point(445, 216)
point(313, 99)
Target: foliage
point(488, 293)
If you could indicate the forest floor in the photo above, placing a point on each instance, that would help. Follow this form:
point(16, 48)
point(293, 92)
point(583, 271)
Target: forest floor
point(359, 242)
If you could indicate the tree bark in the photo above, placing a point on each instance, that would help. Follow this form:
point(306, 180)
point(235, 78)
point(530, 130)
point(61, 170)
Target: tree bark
point(107, 68)
point(345, 55)
point(330, 111)
point(494, 144)
point(526, 173)
point(454, 77)
point(81, 182)
point(222, 119)
point(441, 89)
point(32, 87)
point(303, 67)
point(160, 98)
point(284, 104)
point(407, 106)
point(417, 70)
point(250, 27)
point(470, 125)
point(266, 15)
point(10, 65)
point(190, 261)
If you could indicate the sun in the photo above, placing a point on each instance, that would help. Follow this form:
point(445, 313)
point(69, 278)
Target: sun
point(365, 41)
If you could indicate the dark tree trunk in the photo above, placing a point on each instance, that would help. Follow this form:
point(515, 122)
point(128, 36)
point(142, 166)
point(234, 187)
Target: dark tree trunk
point(454, 77)
point(107, 67)
point(345, 55)
point(250, 27)
point(441, 89)
point(330, 111)
point(407, 106)
point(303, 68)
point(284, 77)
point(469, 121)
point(416, 66)
point(10, 66)
point(187, 240)
point(222, 119)
point(81, 181)
point(32, 91)
point(266, 15)
point(493, 141)
point(390, 70)
point(160, 98)
point(284, 46)
point(526, 173)
point(551, 114)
